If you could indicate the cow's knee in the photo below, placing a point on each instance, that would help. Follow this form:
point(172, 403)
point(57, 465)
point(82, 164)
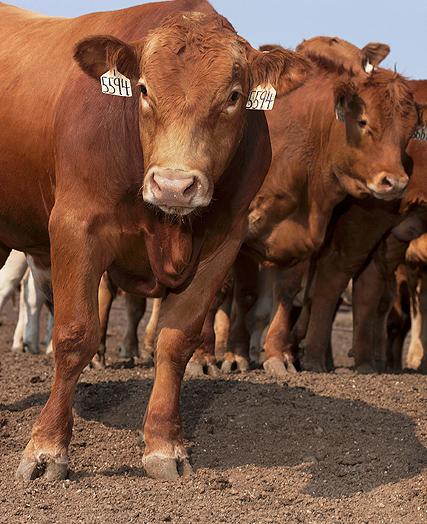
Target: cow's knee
point(75, 346)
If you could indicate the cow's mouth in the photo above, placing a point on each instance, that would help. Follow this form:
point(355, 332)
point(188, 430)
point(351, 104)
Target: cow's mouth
point(177, 211)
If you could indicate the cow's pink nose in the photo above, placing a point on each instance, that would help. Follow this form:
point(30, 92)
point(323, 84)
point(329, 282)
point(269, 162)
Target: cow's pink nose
point(388, 185)
point(169, 188)
point(176, 190)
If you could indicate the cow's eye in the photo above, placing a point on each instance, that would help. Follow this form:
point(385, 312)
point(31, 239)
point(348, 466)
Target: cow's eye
point(362, 123)
point(143, 90)
point(234, 97)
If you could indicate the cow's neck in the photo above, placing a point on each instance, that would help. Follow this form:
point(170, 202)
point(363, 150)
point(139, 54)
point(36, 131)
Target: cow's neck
point(173, 249)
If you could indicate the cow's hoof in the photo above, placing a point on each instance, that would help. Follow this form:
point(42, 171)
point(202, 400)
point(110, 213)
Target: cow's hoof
point(242, 364)
point(46, 467)
point(30, 348)
point(275, 367)
point(237, 363)
point(166, 468)
point(197, 370)
point(98, 361)
point(127, 351)
point(194, 370)
point(366, 369)
point(146, 359)
point(227, 366)
point(315, 366)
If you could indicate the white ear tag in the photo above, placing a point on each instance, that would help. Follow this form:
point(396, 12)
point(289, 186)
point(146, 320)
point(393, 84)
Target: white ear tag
point(116, 84)
point(368, 67)
point(262, 98)
point(420, 134)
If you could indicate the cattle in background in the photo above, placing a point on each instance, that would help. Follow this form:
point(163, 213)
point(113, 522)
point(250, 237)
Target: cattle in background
point(15, 274)
point(153, 187)
point(11, 275)
point(136, 306)
point(345, 135)
point(352, 252)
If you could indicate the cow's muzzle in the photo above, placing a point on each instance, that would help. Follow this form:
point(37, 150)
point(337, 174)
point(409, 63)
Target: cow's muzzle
point(177, 191)
point(388, 186)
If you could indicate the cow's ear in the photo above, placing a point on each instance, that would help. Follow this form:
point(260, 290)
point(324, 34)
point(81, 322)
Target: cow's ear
point(99, 54)
point(347, 101)
point(373, 54)
point(420, 132)
point(284, 70)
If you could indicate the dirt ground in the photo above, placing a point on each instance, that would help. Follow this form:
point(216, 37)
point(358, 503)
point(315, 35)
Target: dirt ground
point(336, 448)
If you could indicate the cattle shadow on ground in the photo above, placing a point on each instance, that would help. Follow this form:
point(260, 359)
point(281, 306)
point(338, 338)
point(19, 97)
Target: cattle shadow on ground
point(346, 446)
point(38, 399)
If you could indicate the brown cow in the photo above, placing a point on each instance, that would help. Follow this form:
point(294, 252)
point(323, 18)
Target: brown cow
point(76, 165)
point(318, 160)
point(358, 229)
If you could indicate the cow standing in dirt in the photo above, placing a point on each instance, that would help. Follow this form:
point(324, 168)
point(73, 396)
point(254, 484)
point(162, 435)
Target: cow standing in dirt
point(345, 135)
point(355, 249)
point(152, 187)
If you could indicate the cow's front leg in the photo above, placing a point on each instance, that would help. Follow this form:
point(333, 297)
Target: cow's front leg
point(181, 321)
point(135, 309)
point(76, 273)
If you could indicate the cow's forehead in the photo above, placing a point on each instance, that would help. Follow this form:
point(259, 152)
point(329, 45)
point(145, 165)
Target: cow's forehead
point(389, 95)
point(194, 37)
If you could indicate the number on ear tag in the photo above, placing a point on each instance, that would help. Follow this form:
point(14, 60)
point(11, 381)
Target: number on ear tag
point(262, 98)
point(420, 133)
point(116, 84)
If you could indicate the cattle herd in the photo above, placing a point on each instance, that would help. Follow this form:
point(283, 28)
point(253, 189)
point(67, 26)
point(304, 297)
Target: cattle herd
point(241, 189)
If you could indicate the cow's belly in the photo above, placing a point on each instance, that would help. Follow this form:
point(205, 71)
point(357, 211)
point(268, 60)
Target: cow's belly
point(26, 200)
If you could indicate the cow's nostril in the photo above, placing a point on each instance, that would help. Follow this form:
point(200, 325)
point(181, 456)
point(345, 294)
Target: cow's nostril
point(387, 182)
point(154, 185)
point(191, 188)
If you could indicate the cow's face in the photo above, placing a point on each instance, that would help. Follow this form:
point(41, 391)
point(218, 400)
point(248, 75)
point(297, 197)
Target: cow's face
point(376, 117)
point(193, 76)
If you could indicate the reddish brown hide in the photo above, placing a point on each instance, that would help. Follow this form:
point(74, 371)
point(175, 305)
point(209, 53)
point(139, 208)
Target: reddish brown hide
point(83, 161)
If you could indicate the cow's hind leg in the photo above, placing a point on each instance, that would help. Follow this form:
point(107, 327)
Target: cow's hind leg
point(244, 297)
point(106, 295)
point(147, 353)
point(204, 359)
point(135, 309)
point(13, 267)
point(76, 273)
point(34, 299)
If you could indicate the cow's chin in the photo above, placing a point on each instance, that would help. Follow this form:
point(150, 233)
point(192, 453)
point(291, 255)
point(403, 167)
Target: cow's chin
point(178, 211)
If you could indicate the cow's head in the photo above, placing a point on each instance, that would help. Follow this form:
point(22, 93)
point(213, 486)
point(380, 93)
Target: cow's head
point(376, 117)
point(345, 53)
point(378, 111)
point(193, 76)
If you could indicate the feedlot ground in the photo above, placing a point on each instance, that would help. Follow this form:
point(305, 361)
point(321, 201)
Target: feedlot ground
point(310, 449)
